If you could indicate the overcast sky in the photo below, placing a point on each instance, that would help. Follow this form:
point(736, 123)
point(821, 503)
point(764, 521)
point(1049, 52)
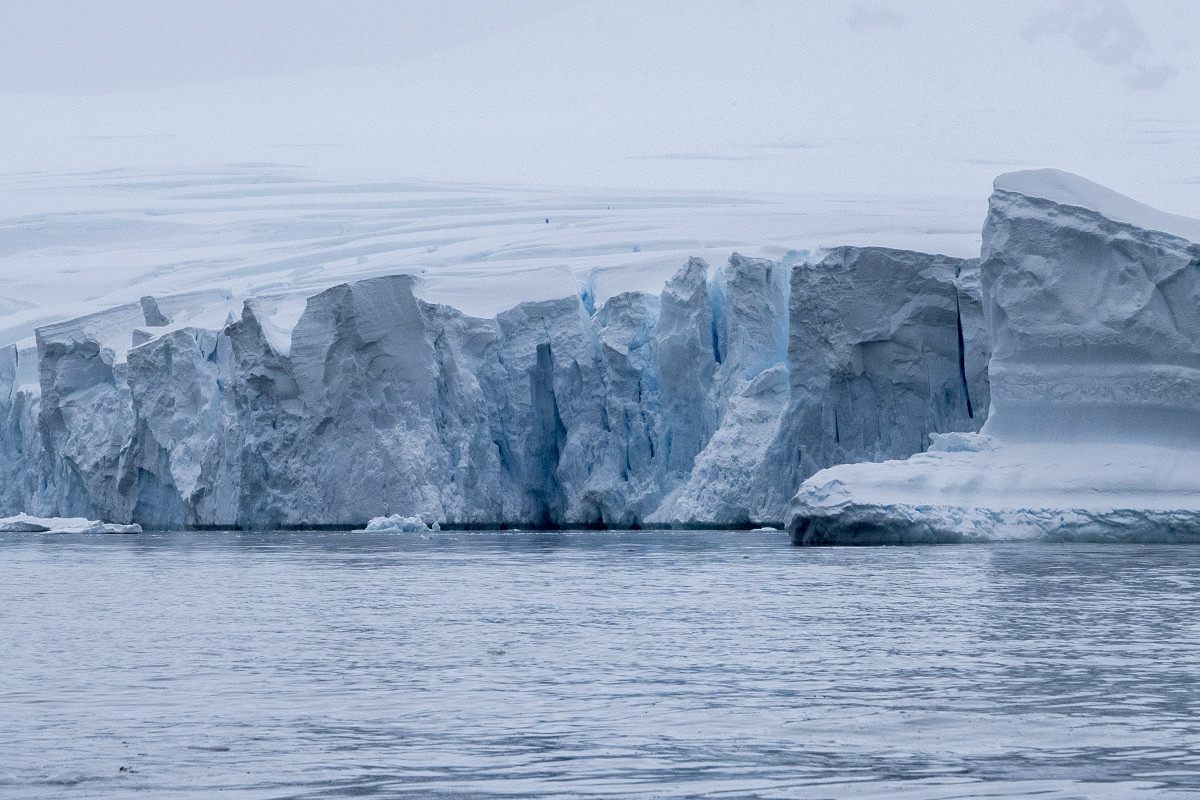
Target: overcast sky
point(880, 95)
point(82, 46)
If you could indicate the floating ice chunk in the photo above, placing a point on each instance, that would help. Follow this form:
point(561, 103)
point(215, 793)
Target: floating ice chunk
point(397, 522)
point(23, 523)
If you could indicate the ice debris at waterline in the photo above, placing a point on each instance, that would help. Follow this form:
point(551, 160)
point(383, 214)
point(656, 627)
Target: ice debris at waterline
point(705, 405)
point(396, 522)
point(1093, 308)
point(23, 523)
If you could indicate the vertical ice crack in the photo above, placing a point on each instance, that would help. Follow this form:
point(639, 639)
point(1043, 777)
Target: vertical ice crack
point(962, 355)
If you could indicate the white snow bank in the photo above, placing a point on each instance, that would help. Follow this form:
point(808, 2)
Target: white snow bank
point(398, 522)
point(23, 523)
point(1072, 190)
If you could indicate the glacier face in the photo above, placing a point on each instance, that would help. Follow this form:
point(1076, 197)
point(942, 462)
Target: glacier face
point(1094, 324)
point(704, 405)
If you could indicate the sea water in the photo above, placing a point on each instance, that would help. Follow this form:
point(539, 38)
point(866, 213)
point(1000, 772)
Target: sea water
point(585, 664)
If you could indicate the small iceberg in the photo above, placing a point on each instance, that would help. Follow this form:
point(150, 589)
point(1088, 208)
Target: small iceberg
point(23, 523)
point(403, 524)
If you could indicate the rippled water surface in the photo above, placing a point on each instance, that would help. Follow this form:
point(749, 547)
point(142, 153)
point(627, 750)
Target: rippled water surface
point(621, 665)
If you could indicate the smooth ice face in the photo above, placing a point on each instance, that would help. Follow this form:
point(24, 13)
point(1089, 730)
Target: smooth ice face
point(1094, 320)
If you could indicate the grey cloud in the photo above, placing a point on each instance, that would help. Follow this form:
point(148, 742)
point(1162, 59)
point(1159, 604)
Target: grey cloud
point(1148, 78)
point(1109, 33)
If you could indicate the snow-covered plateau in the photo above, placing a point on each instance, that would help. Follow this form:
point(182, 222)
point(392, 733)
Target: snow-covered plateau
point(1092, 304)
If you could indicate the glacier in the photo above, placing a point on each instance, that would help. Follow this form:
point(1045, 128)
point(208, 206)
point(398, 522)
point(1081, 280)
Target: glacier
point(861, 394)
point(705, 404)
point(1091, 301)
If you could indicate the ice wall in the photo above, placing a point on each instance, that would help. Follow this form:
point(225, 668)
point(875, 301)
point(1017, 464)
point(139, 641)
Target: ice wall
point(705, 405)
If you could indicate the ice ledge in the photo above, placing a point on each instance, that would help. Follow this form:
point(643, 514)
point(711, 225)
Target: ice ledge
point(23, 523)
point(973, 488)
point(1066, 189)
point(906, 525)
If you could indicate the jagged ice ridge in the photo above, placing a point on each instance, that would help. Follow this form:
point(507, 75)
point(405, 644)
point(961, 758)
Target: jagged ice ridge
point(705, 405)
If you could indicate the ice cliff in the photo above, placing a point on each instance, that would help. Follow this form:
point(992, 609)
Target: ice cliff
point(1093, 308)
point(705, 405)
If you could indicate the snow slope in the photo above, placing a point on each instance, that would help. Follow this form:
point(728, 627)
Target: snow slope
point(1094, 380)
point(1065, 189)
point(79, 243)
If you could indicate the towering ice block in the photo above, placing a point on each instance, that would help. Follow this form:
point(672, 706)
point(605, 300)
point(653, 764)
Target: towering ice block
point(1092, 304)
point(1093, 308)
point(748, 389)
